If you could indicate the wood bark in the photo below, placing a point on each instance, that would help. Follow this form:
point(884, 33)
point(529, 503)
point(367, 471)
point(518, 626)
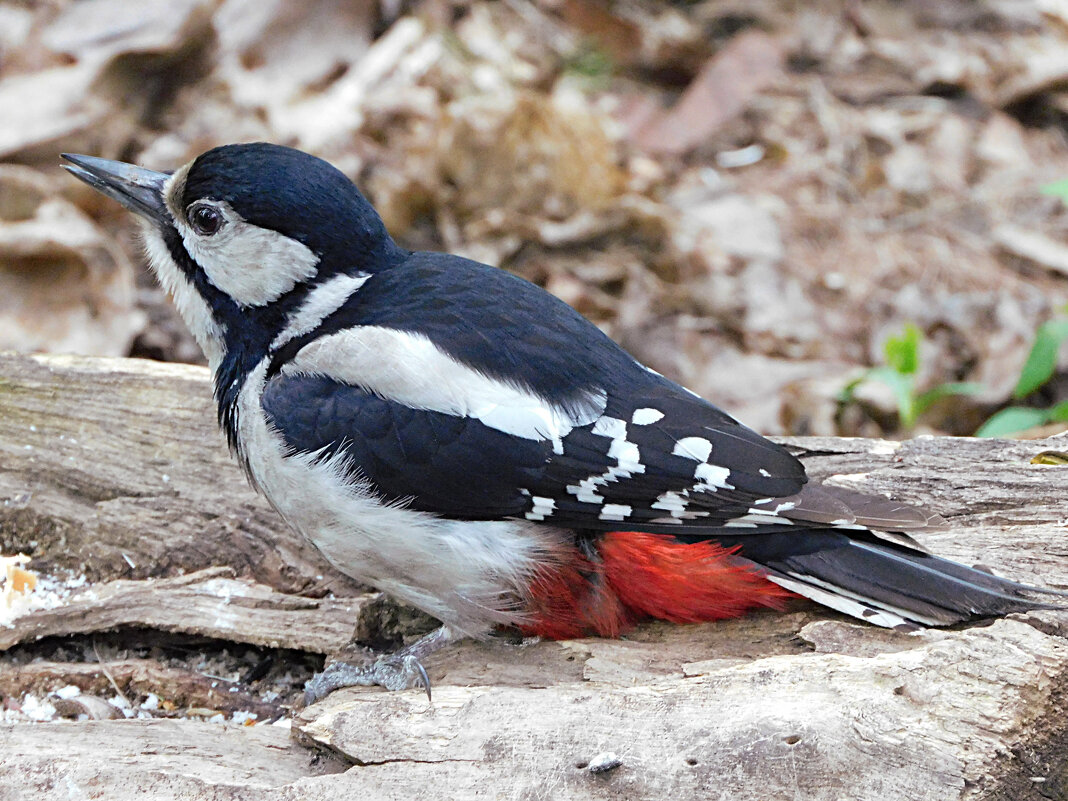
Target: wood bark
point(803, 704)
point(115, 468)
point(208, 602)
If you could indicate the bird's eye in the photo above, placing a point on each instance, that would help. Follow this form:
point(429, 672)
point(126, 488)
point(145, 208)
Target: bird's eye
point(206, 220)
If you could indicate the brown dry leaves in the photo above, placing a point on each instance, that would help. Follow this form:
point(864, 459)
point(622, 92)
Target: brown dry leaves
point(757, 191)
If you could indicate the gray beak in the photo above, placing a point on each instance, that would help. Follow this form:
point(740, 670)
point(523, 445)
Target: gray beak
point(138, 189)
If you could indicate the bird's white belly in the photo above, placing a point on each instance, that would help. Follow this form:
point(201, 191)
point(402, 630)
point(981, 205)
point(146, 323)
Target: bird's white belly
point(468, 574)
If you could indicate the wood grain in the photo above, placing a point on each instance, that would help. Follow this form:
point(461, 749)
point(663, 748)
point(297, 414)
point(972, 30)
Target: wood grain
point(804, 704)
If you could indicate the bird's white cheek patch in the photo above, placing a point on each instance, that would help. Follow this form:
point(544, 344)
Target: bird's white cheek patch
point(252, 265)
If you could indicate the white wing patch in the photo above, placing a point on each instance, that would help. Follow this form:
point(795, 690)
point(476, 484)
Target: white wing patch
point(609, 427)
point(711, 476)
point(696, 448)
point(543, 507)
point(628, 462)
point(615, 511)
point(626, 455)
point(671, 502)
point(646, 417)
point(408, 368)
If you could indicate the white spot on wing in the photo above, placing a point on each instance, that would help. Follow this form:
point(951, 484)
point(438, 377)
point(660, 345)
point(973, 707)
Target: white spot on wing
point(586, 490)
point(696, 448)
point(627, 454)
point(713, 475)
point(609, 427)
point(615, 511)
point(671, 502)
point(646, 417)
point(543, 507)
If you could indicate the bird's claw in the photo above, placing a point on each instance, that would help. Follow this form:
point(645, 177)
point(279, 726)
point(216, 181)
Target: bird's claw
point(394, 672)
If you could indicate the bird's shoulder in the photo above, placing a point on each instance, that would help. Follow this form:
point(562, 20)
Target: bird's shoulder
point(491, 321)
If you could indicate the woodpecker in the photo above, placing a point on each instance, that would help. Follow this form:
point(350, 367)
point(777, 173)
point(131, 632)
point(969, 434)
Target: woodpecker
point(462, 440)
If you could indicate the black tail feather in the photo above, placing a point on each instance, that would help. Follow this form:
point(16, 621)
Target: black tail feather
point(863, 572)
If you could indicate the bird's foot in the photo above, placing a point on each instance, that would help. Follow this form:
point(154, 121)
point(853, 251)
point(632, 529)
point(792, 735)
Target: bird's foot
point(401, 670)
point(394, 672)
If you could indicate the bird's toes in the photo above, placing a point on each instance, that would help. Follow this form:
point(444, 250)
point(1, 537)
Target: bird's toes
point(393, 672)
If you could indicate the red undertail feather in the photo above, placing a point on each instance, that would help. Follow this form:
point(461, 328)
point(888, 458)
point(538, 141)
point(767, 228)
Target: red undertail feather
point(639, 576)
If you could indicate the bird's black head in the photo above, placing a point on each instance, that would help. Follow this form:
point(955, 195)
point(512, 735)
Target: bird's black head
point(243, 233)
point(242, 236)
point(287, 191)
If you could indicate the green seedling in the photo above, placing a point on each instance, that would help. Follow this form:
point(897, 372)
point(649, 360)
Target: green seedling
point(902, 357)
point(1037, 371)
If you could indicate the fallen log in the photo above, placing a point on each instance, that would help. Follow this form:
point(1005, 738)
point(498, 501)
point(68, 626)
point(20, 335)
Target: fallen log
point(798, 705)
point(115, 468)
point(208, 603)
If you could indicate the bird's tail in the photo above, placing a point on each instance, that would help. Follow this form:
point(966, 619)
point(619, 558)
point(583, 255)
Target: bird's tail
point(883, 582)
point(623, 577)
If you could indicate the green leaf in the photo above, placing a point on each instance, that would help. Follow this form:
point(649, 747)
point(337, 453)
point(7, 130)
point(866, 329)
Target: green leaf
point(1050, 458)
point(902, 386)
point(1042, 360)
point(903, 352)
point(1057, 189)
point(848, 393)
point(1013, 420)
point(1058, 413)
point(929, 398)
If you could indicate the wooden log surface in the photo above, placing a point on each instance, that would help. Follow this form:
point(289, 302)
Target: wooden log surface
point(208, 602)
point(114, 469)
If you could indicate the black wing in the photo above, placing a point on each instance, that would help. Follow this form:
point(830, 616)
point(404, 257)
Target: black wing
point(453, 466)
point(601, 475)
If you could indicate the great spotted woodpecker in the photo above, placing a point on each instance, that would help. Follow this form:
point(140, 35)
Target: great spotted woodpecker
point(464, 441)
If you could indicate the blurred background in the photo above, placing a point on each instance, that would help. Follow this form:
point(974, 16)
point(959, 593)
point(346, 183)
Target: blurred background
point(828, 217)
